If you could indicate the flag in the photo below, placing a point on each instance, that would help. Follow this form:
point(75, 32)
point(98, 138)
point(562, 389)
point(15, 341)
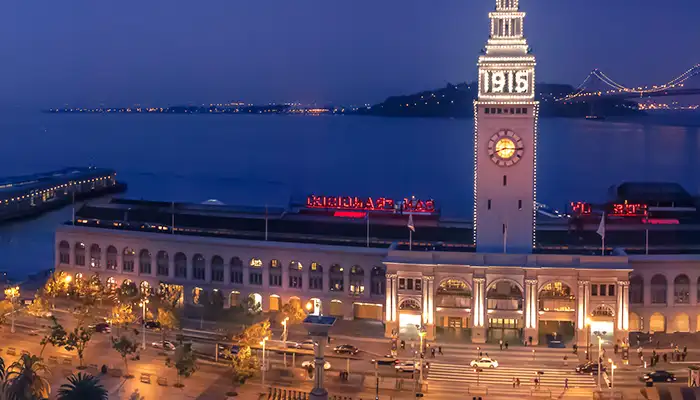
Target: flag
point(505, 237)
point(601, 227)
point(367, 219)
point(410, 223)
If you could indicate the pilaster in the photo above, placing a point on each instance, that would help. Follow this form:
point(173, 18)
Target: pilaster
point(531, 316)
point(479, 310)
point(582, 301)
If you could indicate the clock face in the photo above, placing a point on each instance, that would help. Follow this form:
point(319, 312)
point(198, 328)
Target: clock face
point(505, 148)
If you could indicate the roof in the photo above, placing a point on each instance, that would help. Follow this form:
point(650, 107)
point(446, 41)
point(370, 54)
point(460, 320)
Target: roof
point(298, 226)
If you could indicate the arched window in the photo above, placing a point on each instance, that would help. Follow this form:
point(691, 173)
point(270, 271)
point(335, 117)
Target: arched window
point(636, 290)
point(64, 252)
point(336, 278)
point(95, 256)
point(410, 304)
point(504, 295)
point(217, 269)
point(557, 296)
point(357, 280)
point(111, 258)
point(198, 267)
point(255, 272)
point(315, 276)
point(453, 293)
point(128, 259)
point(236, 266)
point(295, 278)
point(378, 281)
point(145, 262)
point(162, 263)
point(180, 261)
point(681, 290)
point(275, 273)
point(659, 287)
point(80, 254)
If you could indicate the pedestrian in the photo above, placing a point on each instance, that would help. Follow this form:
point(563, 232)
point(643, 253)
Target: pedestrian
point(683, 356)
point(440, 350)
point(517, 382)
point(575, 347)
point(487, 355)
point(513, 382)
point(566, 362)
point(403, 344)
point(500, 343)
point(329, 339)
point(665, 357)
point(481, 354)
point(616, 348)
point(537, 383)
point(566, 383)
point(685, 349)
point(506, 344)
point(432, 352)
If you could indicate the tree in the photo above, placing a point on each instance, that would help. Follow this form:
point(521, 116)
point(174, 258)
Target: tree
point(254, 334)
point(168, 321)
point(38, 308)
point(77, 340)
point(122, 315)
point(184, 361)
point(126, 293)
point(5, 309)
point(94, 291)
point(82, 387)
point(244, 365)
point(292, 310)
point(125, 347)
point(55, 286)
point(26, 379)
point(168, 296)
point(56, 336)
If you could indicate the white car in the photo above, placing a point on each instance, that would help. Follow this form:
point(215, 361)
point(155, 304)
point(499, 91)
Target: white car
point(305, 345)
point(307, 364)
point(484, 363)
point(165, 345)
point(408, 366)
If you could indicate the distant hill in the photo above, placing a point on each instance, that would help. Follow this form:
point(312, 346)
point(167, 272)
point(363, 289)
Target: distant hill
point(456, 101)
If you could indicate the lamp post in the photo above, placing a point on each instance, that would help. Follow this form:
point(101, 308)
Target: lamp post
point(143, 303)
point(264, 367)
point(588, 338)
point(376, 378)
point(284, 339)
point(422, 334)
point(12, 293)
point(600, 335)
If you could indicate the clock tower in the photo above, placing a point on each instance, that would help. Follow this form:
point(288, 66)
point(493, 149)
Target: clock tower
point(505, 137)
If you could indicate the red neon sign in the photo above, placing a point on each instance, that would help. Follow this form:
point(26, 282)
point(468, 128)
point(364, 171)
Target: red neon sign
point(370, 204)
point(580, 208)
point(350, 214)
point(659, 221)
point(629, 210)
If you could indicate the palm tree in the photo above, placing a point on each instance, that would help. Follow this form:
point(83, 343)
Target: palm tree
point(25, 379)
point(82, 387)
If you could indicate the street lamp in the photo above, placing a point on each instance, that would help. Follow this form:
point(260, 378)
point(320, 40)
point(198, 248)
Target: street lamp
point(142, 304)
point(263, 367)
point(12, 293)
point(588, 338)
point(284, 339)
point(600, 335)
point(422, 334)
point(612, 374)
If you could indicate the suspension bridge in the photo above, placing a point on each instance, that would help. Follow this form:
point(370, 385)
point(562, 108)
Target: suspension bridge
point(598, 85)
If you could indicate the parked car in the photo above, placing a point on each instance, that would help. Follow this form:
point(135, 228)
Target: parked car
point(152, 325)
point(659, 376)
point(311, 364)
point(101, 327)
point(346, 349)
point(589, 368)
point(165, 345)
point(484, 363)
point(386, 360)
point(305, 345)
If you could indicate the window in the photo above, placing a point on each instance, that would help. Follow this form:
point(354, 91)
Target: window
point(180, 265)
point(594, 290)
point(505, 180)
point(198, 267)
point(64, 253)
point(295, 276)
point(217, 269)
point(499, 111)
point(162, 263)
point(236, 266)
point(524, 110)
point(402, 283)
point(611, 290)
point(80, 254)
point(518, 110)
point(418, 284)
point(357, 280)
point(315, 276)
point(378, 281)
point(145, 262)
point(520, 204)
point(487, 110)
point(409, 284)
point(112, 258)
point(128, 260)
point(336, 278)
point(295, 282)
point(493, 111)
point(275, 273)
point(255, 278)
point(488, 204)
point(602, 290)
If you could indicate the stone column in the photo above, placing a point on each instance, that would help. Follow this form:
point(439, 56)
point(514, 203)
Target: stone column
point(430, 293)
point(670, 293)
point(622, 312)
point(693, 292)
point(227, 274)
point(479, 310)
point(367, 282)
point(285, 278)
point(171, 267)
point(646, 290)
point(346, 281)
point(531, 311)
point(582, 299)
point(389, 311)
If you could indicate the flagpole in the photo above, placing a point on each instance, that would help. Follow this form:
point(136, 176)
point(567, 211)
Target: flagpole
point(172, 219)
point(73, 206)
point(646, 236)
point(505, 237)
point(410, 240)
point(367, 217)
point(265, 222)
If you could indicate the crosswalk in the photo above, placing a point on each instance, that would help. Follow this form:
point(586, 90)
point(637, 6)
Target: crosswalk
point(454, 377)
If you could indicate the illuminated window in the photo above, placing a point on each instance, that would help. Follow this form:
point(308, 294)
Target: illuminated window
point(336, 278)
point(418, 284)
point(111, 258)
point(95, 256)
point(255, 262)
point(402, 283)
point(128, 259)
point(198, 267)
point(315, 276)
point(357, 277)
point(80, 254)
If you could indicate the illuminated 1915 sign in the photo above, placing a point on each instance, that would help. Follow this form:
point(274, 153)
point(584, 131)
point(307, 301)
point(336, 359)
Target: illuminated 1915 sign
point(506, 82)
point(370, 204)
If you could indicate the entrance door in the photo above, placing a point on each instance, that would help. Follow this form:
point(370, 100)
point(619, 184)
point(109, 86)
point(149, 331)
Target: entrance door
point(506, 329)
point(454, 322)
point(408, 325)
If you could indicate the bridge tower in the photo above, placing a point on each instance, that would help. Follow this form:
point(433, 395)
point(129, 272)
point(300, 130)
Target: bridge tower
point(505, 138)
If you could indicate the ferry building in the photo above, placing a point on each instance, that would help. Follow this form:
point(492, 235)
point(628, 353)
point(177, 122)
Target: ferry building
point(517, 271)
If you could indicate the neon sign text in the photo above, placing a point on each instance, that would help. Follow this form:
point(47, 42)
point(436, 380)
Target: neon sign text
point(370, 204)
